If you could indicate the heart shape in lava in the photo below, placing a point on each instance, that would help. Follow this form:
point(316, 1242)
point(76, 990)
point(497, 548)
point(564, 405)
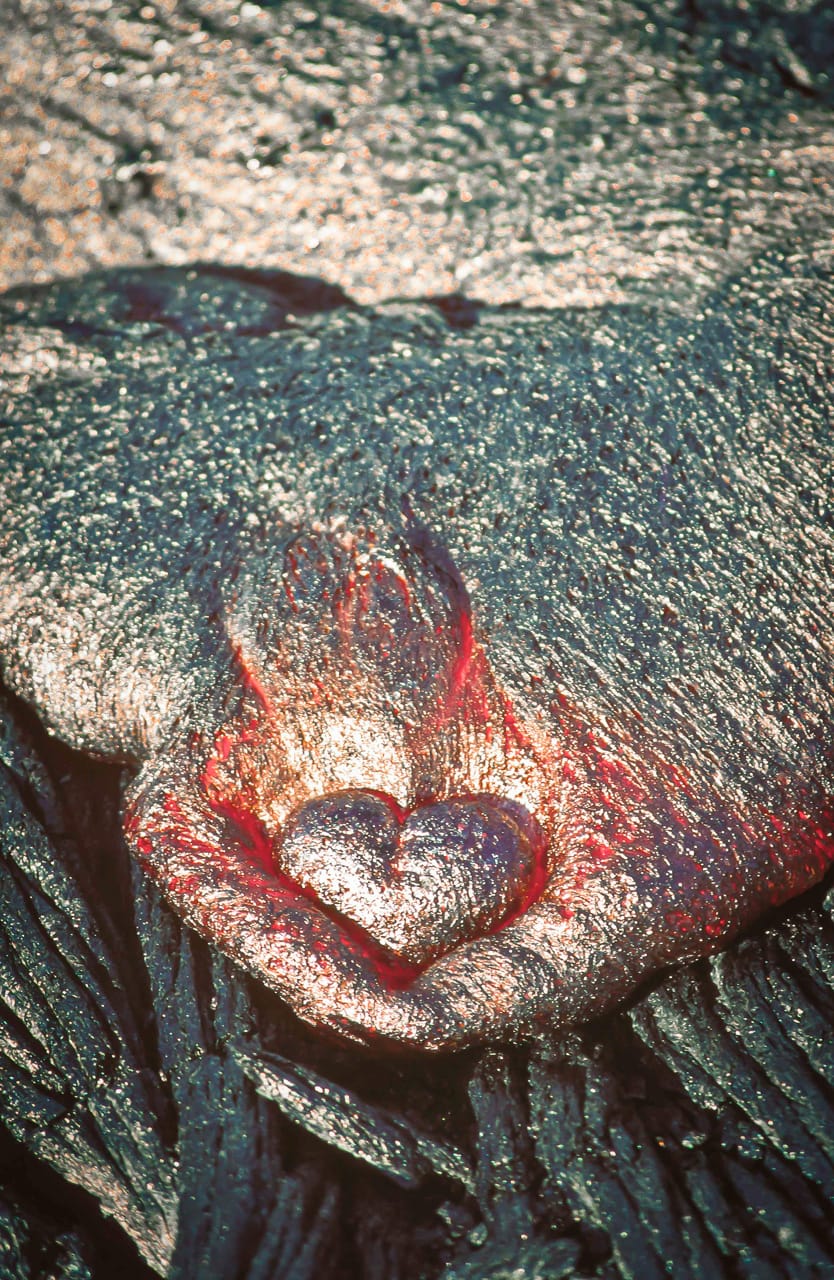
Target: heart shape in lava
point(417, 882)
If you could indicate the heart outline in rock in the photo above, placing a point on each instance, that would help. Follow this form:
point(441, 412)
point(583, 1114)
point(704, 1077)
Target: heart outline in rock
point(417, 882)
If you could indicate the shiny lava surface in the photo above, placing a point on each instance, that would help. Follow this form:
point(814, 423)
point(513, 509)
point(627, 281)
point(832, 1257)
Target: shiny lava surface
point(468, 677)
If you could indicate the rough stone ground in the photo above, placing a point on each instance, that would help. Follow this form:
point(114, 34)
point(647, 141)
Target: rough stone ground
point(690, 1134)
point(512, 153)
point(551, 154)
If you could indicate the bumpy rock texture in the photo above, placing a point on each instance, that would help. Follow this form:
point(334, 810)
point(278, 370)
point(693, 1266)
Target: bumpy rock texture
point(552, 582)
point(572, 153)
point(690, 1132)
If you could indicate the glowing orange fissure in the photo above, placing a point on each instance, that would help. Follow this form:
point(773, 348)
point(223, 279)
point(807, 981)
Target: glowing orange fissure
point(620, 787)
point(463, 693)
point(802, 844)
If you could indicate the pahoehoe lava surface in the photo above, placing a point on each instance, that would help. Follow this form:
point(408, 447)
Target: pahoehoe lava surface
point(623, 580)
point(659, 177)
point(557, 659)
